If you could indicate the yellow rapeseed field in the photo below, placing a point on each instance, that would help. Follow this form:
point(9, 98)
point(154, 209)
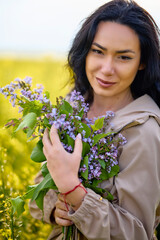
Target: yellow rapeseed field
point(17, 171)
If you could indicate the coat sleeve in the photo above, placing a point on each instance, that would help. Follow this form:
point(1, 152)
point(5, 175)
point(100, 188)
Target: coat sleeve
point(132, 215)
point(49, 204)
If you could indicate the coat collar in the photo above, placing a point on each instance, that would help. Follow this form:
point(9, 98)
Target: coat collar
point(137, 112)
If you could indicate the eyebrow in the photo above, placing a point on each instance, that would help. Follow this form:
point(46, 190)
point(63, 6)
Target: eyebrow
point(119, 51)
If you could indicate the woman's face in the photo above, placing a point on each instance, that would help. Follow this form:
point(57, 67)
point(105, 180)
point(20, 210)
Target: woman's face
point(113, 60)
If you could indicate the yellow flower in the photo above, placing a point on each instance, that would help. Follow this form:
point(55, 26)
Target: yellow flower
point(2, 195)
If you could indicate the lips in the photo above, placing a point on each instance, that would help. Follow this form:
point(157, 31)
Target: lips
point(105, 84)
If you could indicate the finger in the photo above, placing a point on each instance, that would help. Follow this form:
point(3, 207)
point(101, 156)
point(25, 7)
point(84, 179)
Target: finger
point(54, 136)
point(61, 205)
point(63, 222)
point(61, 197)
point(78, 146)
point(45, 152)
point(61, 214)
point(46, 141)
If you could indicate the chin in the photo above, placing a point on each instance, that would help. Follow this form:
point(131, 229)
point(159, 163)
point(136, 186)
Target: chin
point(102, 93)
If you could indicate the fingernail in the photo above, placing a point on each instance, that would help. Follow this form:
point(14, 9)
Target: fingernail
point(79, 136)
point(54, 126)
point(46, 130)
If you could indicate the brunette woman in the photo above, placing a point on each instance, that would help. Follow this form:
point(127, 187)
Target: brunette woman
point(115, 64)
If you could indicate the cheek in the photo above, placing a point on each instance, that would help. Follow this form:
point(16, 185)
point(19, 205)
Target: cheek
point(92, 66)
point(128, 73)
point(133, 73)
point(88, 67)
point(88, 63)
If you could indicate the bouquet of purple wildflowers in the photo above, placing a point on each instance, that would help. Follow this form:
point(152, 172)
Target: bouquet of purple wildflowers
point(100, 148)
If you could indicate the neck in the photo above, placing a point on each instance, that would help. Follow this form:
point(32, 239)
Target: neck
point(102, 104)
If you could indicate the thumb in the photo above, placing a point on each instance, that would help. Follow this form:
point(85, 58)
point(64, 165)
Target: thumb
point(78, 146)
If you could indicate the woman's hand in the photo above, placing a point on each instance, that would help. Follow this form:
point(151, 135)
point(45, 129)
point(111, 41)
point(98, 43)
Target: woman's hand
point(61, 213)
point(63, 166)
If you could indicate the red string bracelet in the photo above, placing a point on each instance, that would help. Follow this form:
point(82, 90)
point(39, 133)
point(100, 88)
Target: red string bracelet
point(72, 190)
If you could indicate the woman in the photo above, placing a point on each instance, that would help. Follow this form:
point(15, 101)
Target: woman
point(115, 61)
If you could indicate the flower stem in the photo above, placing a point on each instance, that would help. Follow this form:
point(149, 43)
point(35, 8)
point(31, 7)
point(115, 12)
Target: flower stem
point(12, 224)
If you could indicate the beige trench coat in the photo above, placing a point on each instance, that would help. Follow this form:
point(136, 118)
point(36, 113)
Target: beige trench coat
point(135, 211)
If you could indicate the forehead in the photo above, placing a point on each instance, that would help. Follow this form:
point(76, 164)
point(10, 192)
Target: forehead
point(117, 35)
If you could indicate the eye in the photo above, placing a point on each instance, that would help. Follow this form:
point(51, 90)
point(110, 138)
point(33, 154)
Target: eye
point(125, 58)
point(97, 51)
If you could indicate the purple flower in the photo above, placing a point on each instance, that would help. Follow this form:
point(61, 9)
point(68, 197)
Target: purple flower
point(39, 90)
point(39, 97)
point(27, 80)
point(6, 94)
point(45, 100)
point(10, 123)
point(1, 90)
point(20, 109)
point(104, 152)
point(17, 80)
point(78, 102)
point(83, 168)
point(27, 94)
point(54, 112)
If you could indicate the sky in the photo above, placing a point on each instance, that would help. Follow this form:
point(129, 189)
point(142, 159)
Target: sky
point(48, 26)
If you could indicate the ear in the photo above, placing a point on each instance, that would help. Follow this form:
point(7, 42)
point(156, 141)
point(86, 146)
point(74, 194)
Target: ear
point(141, 66)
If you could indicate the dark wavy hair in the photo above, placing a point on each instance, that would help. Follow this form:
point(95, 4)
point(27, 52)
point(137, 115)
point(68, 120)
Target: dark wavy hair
point(129, 13)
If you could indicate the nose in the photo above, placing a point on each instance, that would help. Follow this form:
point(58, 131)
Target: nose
point(107, 67)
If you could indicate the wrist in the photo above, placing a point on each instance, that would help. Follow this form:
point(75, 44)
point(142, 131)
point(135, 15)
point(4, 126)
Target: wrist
point(75, 196)
point(67, 184)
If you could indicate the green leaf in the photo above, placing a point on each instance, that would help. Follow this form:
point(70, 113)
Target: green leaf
point(86, 148)
point(97, 137)
point(64, 112)
point(96, 182)
point(70, 141)
point(47, 94)
point(31, 106)
point(98, 124)
point(44, 169)
point(86, 129)
point(36, 107)
point(66, 107)
point(46, 121)
point(29, 132)
point(105, 175)
point(103, 163)
point(114, 171)
point(85, 162)
point(81, 113)
point(40, 198)
point(37, 154)
point(101, 191)
point(96, 189)
point(18, 205)
point(47, 182)
point(109, 197)
point(29, 122)
point(30, 191)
